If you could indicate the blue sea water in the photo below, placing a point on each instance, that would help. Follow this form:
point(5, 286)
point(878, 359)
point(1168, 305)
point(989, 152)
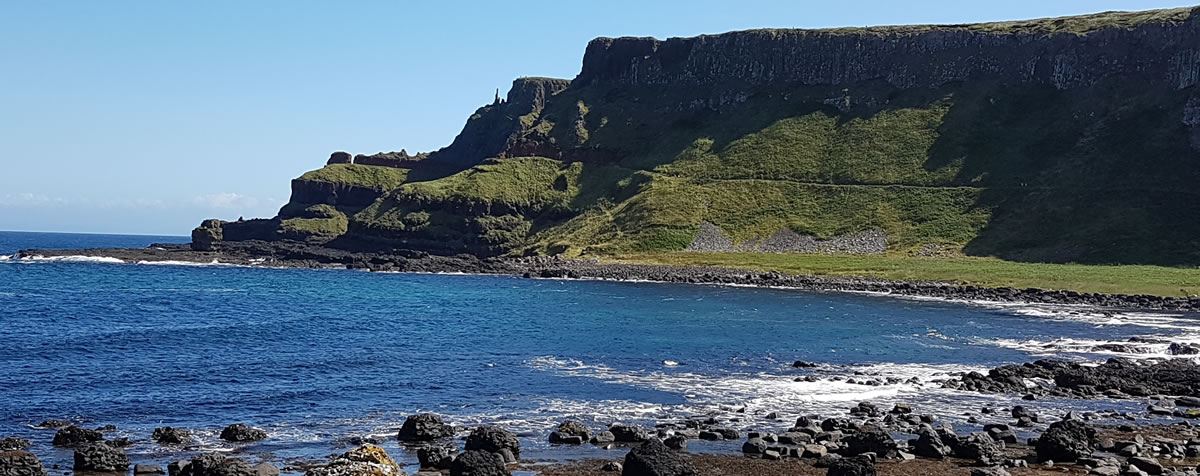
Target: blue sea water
point(318, 356)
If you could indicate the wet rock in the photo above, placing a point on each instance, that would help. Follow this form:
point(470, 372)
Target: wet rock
point(677, 443)
point(13, 443)
point(612, 467)
point(1146, 464)
point(73, 436)
point(238, 432)
point(366, 460)
point(265, 469)
point(603, 438)
point(170, 436)
point(54, 424)
point(1188, 401)
point(100, 458)
point(570, 433)
point(930, 445)
point(479, 463)
point(653, 458)
point(1066, 440)
point(424, 427)
point(147, 469)
point(980, 448)
point(800, 364)
point(1183, 349)
point(855, 466)
point(754, 446)
point(628, 433)
point(212, 465)
point(813, 451)
point(436, 456)
point(495, 440)
point(992, 471)
point(20, 463)
point(1020, 412)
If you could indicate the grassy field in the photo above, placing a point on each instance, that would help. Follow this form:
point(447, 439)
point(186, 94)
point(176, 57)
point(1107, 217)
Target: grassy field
point(1157, 280)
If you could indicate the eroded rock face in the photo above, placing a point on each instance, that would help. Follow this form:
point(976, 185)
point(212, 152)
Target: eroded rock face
point(20, 463)
point(101, 458)
point(653, 458)
point(241, 433)
point(424, 427)
point(340, 157)
point(207, 236)
point(366, 460)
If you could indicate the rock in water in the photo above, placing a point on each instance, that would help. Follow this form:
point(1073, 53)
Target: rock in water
point(435, 456)
point(213, 465)
point(570, 433)
point(238, 433)
point(628, 433)
point(479, 463)
point(100, 458)
point(1066, 440)
point(855, 466)
point(424, 427)
point(73, 435)
point(367, 460)
point(494, 440)
point(20, 463)
point(13, 443)
point(147, 469)
point(653, 458)
point(170, 436)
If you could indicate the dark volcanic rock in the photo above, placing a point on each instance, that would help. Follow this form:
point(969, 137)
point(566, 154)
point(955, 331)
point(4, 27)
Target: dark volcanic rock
point(13, 443)
point(73, 435)
point(214, 465)
point(653, 458)
point(1127, 377)
point(570, 432)
point(495, 440)
point(628, 433)
point(930, 445)
point(238, 432)
point(855, 466)
point(1066, 440)
point(207, 236)
point(424, 427)
point(170, 436)
point(436, 456)
point(54, 424)
point(870, 439)
point(980, 448)
point(101, 458)
point(20, 463)
point(479, 463)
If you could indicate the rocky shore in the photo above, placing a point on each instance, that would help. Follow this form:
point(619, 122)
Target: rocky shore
point(366, 257)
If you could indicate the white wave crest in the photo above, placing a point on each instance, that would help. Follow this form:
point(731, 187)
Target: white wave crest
point(69, 259)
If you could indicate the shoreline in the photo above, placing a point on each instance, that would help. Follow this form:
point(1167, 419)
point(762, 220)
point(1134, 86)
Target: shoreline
point(301, 255)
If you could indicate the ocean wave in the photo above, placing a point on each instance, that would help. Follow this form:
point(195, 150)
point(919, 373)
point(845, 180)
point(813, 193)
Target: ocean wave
point(184, 263)
point(69, 259)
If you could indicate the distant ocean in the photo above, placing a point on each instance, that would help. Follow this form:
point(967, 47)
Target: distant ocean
point(316, 357)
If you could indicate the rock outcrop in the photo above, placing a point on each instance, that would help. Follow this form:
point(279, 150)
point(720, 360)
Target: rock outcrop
point(20, 463)
point(238, 432)
point(424, 427)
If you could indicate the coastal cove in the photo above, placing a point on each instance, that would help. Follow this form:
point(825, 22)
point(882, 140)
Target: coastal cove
point(320, 358)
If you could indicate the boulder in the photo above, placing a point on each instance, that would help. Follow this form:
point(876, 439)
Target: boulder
point(870, 439)
point(1020, 412)
point(854, 466)
point(930, 445)
point(100, 458)
point(754, 446)
point(436, 456)
point(570, 433)
point(73, 436)
point(213, 465)
point(1066, 440)
point(20, 463)
point(495, 440)
point(424, 427)
point(265, 469)
point(612, 467)
point(677, 443)
point(13, 443)
point(980, 448)
point(628, 433)
point(653, 458)
point(238, 432)
point(1146, 464)
point(170, 436)
point(366, 460)
point(603, 438)
point(479, 463)
point(147, 469)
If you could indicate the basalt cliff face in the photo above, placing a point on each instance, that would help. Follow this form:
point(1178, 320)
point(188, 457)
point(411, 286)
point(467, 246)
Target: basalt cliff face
point(1071, 139)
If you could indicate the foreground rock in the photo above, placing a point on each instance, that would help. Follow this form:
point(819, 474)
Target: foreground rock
point(241, 433)
point(653, 458)
point(170, 436)
point(366, 460)
point(495, 440)
point(855, 466)
point(479, 463)
point(424, 427)
point(218, 465)
point(1066, 440)
point(436, 456)
point(100, 458)
point(20, 463)
point(74, 436)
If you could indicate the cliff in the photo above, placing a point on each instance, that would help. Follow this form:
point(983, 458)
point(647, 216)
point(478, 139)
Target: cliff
point(1070, 139)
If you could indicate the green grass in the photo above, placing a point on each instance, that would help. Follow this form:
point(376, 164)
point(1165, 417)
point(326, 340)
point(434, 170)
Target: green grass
point(366, 176)
point(1156, 280)
point(1078, 25)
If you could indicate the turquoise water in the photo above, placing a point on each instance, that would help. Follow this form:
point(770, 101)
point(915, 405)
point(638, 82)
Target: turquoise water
point(317, 356)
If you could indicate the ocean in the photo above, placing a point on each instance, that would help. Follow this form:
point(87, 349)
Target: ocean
point(318, 357)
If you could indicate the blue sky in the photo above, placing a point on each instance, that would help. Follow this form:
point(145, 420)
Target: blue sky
point(147, 117)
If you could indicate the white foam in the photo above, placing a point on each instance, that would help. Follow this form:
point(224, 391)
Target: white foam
point(184, 263)
point(70, 259)
point(670, 363)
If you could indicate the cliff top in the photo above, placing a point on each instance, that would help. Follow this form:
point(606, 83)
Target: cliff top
point(1078, 25)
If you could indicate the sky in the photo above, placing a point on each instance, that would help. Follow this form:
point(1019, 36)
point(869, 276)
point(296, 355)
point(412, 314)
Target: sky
point(146, 117)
